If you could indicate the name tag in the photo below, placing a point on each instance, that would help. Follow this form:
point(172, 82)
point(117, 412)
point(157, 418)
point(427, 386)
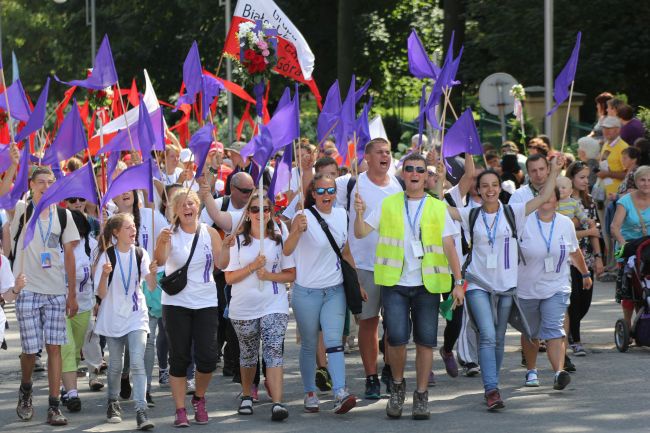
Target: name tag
point(417, 248)
point(491, 261)
point(548, 264)
point(46, 260)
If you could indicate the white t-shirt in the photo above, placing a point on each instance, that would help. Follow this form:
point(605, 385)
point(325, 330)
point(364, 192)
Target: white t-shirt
point(123, 310)
point(295, 174)
point(503, 276)
point(170, 179)
point(84, 279)
point(200, 291)
point(248, 301)
point(522, 195)
point(533, 281)
point(146, 238)
point(363, 250)
point(317, 265)
point(412, 270)
point(6, 283)
point(235, 214)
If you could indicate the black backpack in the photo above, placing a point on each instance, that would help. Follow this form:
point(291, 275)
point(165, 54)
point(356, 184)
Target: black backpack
point(110, 252)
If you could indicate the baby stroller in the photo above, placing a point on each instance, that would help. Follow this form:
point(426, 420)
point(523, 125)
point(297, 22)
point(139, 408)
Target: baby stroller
point(636, 275)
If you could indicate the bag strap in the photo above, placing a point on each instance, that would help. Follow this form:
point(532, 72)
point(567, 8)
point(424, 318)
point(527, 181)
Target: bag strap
point(194, 242)
point(328, 233)
point(350, 186)
point(138, 260)
point(644, 229)
point(23, 217)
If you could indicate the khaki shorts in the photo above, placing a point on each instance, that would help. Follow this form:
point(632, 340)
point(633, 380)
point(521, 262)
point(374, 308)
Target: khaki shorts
point(372, 307)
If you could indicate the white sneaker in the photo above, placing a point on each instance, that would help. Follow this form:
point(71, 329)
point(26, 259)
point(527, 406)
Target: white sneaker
point(191, 386)
point(311, 402)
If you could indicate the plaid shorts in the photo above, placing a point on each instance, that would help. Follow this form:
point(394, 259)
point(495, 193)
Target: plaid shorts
point(40, 316)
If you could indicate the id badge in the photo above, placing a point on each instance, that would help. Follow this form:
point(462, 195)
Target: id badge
point(417, 248)
point(491, 262)
point(46, 260)
point(124, 309)
point(548, 264)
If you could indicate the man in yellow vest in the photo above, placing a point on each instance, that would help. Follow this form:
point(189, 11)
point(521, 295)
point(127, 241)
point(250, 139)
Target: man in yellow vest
point(415, 259)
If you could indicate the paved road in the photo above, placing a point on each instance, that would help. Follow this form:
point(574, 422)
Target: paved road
point(608, 393)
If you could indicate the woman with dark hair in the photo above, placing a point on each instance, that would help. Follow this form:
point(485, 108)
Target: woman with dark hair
point(511, 171)
point(601, 113)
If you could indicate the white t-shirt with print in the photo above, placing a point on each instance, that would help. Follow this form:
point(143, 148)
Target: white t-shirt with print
point(6, 283)
point(84, 279)
point(533, 281)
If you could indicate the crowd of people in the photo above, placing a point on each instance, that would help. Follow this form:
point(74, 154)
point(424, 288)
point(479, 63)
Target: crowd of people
point(213, 268)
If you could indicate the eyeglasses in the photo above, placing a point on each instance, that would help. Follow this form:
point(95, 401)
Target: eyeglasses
point(75, 199)
point(256, 209)
point(432, 173)
point(321, 191)
point(412, 168)
point(244, 190)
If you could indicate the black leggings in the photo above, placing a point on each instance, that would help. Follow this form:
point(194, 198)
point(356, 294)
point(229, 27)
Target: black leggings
point(580, 303)
point(452, 330)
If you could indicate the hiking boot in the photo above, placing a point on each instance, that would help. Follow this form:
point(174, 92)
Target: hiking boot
point(532, 381)
point(568, 365)
point(420, 405)
point(493, 399)
point(323, 379)
point(450, 362)
point(24, 409)
point(113, 412)
point(143, 421)
point(373, 388)
point(386, 377)
point(396, 400)
point(200, 413)
point(279, 412)
point(311, 403)
point(163, 377)
point(180, 419)
point(150, 402)
point(344, 402)
point(125, 388)
point(562, 379)
point(55, 417)
point(472, 369)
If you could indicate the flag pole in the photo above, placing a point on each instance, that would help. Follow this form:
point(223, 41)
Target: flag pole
point(126, 120)
point(566, 121)
point(443, 118)
point(320, 143)
point(260, 189)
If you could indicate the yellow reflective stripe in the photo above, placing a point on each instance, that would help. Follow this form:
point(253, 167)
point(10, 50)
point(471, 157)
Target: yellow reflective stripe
point(436, 270)
point(434, 249)
point(388, 262)
point(391, 242)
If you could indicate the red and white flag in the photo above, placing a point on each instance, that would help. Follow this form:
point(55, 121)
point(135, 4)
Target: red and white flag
point(295, 58)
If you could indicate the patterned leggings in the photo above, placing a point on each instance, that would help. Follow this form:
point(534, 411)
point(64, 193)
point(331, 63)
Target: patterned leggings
point(271, 329)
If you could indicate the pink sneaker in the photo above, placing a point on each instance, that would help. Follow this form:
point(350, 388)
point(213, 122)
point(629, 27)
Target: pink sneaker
point(181, 418)
point(200, 414)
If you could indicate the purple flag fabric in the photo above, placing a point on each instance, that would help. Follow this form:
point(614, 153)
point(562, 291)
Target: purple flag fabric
point(264, 149)
point(21, 184)
point(103, 74)
point(422, 115)
point(200, 146)
point(347, 119)
point(192, 76)
point(284, 100)
point(330, 112)
point(70, 139)
point(210, 89)
point(111, 164)
point(121, 139)
point(79, 183)
point(566, 77)
point(146, 136)
point(462, 137)
point(282, 174)
point(5, 158)
point(18, 105)
point(37, 118)
point(136, 177)
point(363, 131)
point(420, 64)
point(362, 91)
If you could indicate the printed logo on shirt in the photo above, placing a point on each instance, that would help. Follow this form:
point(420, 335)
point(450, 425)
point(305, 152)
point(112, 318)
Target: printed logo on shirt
point(82, 285)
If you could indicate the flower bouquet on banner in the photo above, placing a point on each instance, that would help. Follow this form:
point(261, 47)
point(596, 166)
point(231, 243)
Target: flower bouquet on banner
point(517, 91)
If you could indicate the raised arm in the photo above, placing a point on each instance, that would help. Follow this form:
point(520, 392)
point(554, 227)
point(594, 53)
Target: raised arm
point(223, 220)
point(8, 178)
point(361, 228)
point(549, 187)
point(298, 227)
point(465, 182)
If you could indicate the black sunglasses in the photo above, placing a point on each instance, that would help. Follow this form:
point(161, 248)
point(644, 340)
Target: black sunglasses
point(75, 199)
point(245, 190)
point(256, 209)
point(321, 191)
point(412, 168)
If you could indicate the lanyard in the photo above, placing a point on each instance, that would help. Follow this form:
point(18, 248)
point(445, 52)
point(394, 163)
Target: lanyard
point(550, 235)
point(126, 282)
point(491, 231)
point(49, 228)
point(417, 213)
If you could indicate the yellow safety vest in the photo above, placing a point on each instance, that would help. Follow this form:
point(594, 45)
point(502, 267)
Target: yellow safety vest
point(390, 248)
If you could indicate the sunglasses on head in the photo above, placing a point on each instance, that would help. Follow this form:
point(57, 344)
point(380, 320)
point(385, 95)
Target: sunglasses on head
point(256, 209)
point(412, 168)
point(75, 199)
point(244, 190)
point(321, 191)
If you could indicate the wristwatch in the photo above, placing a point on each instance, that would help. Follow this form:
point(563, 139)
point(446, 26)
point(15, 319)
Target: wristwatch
point(587, 275)
point(460, 282)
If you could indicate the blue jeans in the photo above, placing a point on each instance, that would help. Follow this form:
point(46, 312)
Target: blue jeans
point(325, 308)
point(137, 340)
point(411, 306)
point(492, 332)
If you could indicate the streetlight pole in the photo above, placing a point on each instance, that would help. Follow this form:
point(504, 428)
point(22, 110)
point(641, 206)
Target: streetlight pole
point(548, 64)
point(229, 75)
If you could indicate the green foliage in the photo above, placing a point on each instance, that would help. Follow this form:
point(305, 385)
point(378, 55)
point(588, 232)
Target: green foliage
point(644, 116)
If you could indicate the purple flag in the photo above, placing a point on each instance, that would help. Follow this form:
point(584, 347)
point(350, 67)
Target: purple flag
point(21, 184)
point(192, 76)
point(70, 139)
point(136, 177)
point(146, 138)
point(103, 73)
point(566, 77)
point(330, 112)
point(18, 104)
point(446, 78)
point(5, 158)
point(210, 89)
point(111, 164)
point(37, 118)
point(420, 64)
point(264, 149)
point(363, 131)
point(200, 145)
point(282, 173)
point(347, 118)
point(422, 115)
point(462, 137)
point(79, 183)
point(362, 91)
point(284, 100)
point(121, 139)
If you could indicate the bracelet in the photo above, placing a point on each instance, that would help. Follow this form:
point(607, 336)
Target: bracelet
point(587, 275)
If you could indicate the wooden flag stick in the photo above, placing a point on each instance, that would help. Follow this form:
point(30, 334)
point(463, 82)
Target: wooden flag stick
point(442, 121)
point(126, 120)
point(320, 143)
point(566, 121)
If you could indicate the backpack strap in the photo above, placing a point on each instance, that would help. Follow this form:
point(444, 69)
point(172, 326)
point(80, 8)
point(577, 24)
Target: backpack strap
point(225, 203)
point(63, 222)
point(510, 218)
point(350, 186)
point(473, 216)
point(463, 240)
point(139, 252)
point(21, 223)
point(110, 252)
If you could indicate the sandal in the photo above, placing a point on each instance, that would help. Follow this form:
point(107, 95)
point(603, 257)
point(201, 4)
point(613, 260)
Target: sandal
point(245, 406)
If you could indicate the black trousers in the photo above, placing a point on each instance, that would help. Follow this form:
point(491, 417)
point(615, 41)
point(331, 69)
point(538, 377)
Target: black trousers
point(580, 303)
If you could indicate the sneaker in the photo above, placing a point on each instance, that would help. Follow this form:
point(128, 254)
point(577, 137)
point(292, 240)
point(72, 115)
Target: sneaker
point(578, 350)
point(373, 388)
point(113, 412)
point(311, 402)
point(532, 380)
point(450, 362)
point(255, 394)
point(24, 409)
point(191, 387)
point(180, 419)
point(396, 400)
point(568, 365)
point(38, 364)
point(562, 379)
point(200, 413)
point(150, 402)
point(163, 377)
point(323, 379)
point(493, 399)
point(94, 383)
point(279, 412)
point(472, 369)
point(344, 402)
point(267, 388)
point(420, 405)
point(143, 421)
point(125, 388)
point(245, 406)
point(386, 377)
point(73, 404)
point(55, 417)
point(431, 381)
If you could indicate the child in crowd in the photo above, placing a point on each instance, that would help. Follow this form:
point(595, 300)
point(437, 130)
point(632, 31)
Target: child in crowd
point(569, 206)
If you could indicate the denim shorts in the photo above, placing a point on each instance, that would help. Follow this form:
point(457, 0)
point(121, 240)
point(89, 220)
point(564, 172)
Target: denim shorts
point(545, 317)
point(406, 307)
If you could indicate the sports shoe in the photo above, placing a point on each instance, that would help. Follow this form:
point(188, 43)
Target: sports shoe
point(255, 394)
point(386, 377)
point(431, 381)
point(163, 377)
point(578, 350)
point(472, 369)
point(200, 413)
point(94, 383)
point(143, 421)
point(150, 402)
point(38, 364)
point(113, 412)
point(180, 419)
point(73, 404)
point(396, 401)
point(279, 412)
point(323, 379)
point(420, 405)
point(450, 362)
point(311, 402)
point(191, 387)
point(125, 387)
point(493, 399)
point(532, 380)
point(568, 365)
point(344, 402)
point(24, 409)
point(373, 388)
point(562, 379)
point(55, 417)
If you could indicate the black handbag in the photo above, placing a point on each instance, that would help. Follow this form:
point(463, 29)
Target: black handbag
point(350, 279)
point(173, 283)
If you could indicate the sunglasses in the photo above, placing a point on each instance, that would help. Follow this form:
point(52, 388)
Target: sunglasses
point(75, 199)
point(256, 209)
point(321, 191)
point(412, 168)
point(244, 190)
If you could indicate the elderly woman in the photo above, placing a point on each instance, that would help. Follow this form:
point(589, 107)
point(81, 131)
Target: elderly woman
point(589, 153)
